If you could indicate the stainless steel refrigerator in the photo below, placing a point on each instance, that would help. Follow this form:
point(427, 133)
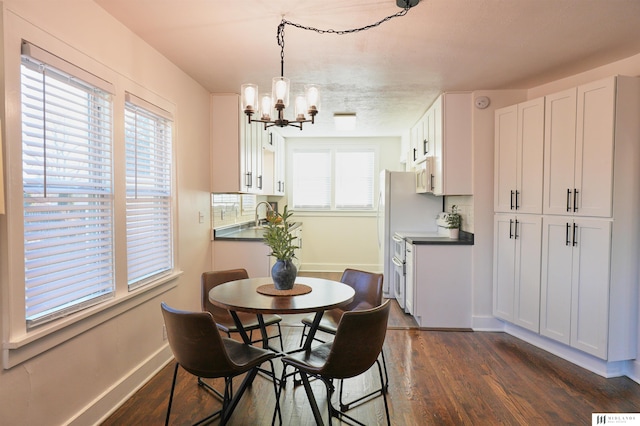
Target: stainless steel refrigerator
point(401, 209)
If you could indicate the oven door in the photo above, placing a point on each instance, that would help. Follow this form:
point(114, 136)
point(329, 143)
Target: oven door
point(398, 247)
point(399, 283)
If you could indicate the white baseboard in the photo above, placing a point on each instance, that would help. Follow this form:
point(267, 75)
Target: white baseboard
point(112, 398)
point(486, 323)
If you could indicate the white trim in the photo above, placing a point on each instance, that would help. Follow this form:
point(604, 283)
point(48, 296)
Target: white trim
point(18, 350)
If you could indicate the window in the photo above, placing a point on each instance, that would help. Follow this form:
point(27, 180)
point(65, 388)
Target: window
point(334, 179)
point(149, 197)
point(67, 189)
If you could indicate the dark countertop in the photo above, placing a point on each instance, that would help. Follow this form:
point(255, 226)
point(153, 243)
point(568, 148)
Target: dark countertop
point(243, 232)
point(466, 239)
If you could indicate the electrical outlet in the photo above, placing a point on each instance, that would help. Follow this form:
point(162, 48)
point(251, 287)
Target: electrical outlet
point(164, 332)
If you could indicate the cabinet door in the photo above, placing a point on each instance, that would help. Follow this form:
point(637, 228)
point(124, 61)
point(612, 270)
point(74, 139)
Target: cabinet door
point(528, 238)
point(503, 267)
point(556, 278)
point(279, 167)
point(505, 162)
point(590, 286)
point(594, 148)
point(559, 152)
point(438, 147)
point(530, 158)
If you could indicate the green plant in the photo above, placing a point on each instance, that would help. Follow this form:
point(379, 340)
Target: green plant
point(453, 218)
point(278, 237)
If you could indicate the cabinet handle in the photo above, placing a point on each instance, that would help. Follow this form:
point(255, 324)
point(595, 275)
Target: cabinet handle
point(568, 200)
point(510, 231)
point(415, 154)
point(517, 205)
point(271, 139)
point(515, 233)
point(425, 149)
point(511, 201)
point(575, 200)
point(566, 235)
point(248, 180)
point(260, 182)
point(431, 182)
point(575, 242)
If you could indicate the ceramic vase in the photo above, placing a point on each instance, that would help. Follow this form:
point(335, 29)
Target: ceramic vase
point(284, 274)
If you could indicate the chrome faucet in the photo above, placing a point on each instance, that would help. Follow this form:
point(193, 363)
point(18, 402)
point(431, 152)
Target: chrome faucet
point(269, 207)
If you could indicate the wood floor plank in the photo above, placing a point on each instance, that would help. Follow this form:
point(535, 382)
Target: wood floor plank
point(436, 378)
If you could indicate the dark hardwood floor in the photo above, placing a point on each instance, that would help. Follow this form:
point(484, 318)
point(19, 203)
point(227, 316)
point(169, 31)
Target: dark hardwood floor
point(436, 378)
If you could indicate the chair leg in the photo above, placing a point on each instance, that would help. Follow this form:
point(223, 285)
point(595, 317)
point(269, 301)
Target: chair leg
point(384, 385)
point(280, 336)
point(304, 334)
point(173, 387)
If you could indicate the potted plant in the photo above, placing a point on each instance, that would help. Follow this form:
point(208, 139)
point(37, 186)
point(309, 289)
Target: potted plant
point(453, 222)
point(278, 237)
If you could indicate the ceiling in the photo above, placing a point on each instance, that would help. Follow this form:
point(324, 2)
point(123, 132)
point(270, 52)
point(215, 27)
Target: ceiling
point(389, 74)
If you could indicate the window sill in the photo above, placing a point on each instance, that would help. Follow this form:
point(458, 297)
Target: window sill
point(21, 348)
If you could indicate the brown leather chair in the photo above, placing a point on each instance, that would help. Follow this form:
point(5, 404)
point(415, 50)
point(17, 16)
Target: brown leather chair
point(200, 349)
point(368, 288)
point(357, 344)
point(222, 317)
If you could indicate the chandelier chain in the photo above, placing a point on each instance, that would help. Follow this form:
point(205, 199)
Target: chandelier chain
point(284, 22)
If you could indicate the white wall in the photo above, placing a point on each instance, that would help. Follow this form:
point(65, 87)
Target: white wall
point(80, 380)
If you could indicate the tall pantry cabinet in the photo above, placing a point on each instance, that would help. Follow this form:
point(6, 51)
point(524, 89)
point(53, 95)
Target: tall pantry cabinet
point(588, 286)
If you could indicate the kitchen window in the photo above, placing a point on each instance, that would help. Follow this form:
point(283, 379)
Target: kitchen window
point(334, 178)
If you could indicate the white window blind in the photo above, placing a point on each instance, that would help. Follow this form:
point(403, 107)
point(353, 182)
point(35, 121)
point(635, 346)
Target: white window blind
point(67, 187)
point(312, 179)
point(148, 139)
point(354, 179)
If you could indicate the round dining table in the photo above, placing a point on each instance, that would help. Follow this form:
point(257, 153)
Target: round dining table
point(248, 295)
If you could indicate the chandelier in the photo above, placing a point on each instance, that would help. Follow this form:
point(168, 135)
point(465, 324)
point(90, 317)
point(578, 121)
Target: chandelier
point(265, 105)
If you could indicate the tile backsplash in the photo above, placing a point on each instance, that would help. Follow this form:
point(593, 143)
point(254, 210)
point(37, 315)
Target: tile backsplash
point(465, 208)
point(231, 209)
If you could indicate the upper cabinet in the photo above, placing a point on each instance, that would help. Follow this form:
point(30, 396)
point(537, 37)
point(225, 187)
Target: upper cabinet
point(443, 135)
point(519, 147)
point(579, 148)
point(452, 160)
point(243, 155)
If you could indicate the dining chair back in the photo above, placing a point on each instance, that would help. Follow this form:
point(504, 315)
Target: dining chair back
point(200, 349)
point(357, 344)
point(223, 318)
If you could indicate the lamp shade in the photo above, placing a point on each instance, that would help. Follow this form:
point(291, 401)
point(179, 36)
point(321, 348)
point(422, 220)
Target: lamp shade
point(313, 97)
point(280, 91)
point(266, 107)
point(249, 97)
point(301, 107)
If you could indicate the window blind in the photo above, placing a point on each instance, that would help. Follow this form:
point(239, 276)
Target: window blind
point(67, 187)
point(354, 179)
point(312, 179)
point(148, 140)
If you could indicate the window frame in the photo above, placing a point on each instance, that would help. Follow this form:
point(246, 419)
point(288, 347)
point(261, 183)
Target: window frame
point(20, 343)
point(333, 147)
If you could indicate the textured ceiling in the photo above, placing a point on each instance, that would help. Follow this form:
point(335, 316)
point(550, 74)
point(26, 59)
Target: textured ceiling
point(389, 74)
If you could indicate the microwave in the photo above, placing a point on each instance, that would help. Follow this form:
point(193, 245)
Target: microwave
point(424, 176)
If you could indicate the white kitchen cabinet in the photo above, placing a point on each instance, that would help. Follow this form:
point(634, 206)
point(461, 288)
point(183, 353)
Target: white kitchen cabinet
point(250, 255)
point(279, 164)
point(441, 285)
point(236, 148)
point(516, 269)
point(575, 282)
point(422, 137)
point(452, 149)
point(519, 147)
point(579, 150)
point(590, 232)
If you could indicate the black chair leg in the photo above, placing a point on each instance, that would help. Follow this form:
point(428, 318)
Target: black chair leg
point(173, 387)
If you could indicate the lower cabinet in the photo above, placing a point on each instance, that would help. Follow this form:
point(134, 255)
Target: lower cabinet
point(250, 255)
point(441, 285)
point(516, 269)
point(575, 283)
